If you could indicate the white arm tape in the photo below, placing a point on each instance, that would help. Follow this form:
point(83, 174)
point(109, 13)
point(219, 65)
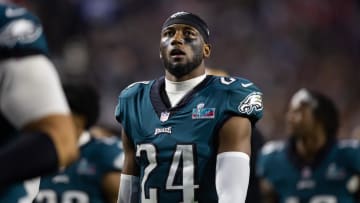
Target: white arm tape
point(129, 189)
point(232, 176)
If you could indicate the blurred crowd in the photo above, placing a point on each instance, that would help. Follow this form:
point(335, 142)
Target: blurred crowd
point(281, 45)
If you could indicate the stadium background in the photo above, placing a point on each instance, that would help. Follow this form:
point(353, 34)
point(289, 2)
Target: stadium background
point(281, 45)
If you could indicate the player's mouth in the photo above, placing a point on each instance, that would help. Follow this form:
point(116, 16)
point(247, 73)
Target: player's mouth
point(177, 54)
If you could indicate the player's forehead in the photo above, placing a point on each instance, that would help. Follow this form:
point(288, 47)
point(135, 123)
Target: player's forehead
point(180, 27)
point(302, 107)
point(303, 98)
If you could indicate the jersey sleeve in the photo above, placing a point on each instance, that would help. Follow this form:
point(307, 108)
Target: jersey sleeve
point(244, 99)
point(111, 154)
point(119, 110)
point(124, 99)
point(31, 89)
point(21, 33)
point(261, 165)
point(268, 155)
point(350, 153)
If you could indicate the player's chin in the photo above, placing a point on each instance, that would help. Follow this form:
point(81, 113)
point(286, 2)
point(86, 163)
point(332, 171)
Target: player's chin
point(179, 60)
point(178, 64)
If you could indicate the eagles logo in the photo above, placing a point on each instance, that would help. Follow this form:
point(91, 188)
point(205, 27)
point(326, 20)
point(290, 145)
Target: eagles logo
point(252, 102)
point(20, 31)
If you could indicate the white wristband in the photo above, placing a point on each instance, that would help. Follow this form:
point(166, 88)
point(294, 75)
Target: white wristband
point(232, 176)
point(129, 189)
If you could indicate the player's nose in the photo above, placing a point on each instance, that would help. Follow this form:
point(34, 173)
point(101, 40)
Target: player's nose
point(178, 38)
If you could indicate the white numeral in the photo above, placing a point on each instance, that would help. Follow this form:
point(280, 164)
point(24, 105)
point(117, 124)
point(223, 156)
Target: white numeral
point(151, 157)
point(182, 152)
point(70, 196)
point(315, 199)
point(227, 80)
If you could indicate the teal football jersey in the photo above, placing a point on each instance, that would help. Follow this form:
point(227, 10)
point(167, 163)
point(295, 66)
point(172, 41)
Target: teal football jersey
point(324, 181)
point(81, 181)
point(176, 147)
point(21, 33)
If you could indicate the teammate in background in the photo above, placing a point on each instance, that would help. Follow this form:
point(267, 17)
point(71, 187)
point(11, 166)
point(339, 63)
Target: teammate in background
point(37, 133)
point(355, 133)
point(187, 135)
point(257, 141)
point(312, 165)
point(105, 131)
point(216, 71)
point(95, 176)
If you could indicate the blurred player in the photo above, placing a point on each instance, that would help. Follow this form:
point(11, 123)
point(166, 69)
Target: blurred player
point(312, 166)
point(215, 71)
point(95, 176)
point(187, 135)
point(105, 131)
point(37, 133)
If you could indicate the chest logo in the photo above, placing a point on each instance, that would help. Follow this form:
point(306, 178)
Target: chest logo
point(335, 172)
point(86, 168)
point(162, 130)
point(203, 113)
point(164, 116)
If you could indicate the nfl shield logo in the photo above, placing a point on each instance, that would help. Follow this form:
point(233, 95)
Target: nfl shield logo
point(164, 116)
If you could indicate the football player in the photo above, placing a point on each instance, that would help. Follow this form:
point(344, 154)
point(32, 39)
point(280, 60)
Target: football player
point(186, 136)
point(95, 176)
point(312, 165)
point(37, 132)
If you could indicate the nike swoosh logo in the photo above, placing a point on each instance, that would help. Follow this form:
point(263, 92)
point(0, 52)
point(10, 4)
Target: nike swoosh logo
point(14, 12)
point(246, 84)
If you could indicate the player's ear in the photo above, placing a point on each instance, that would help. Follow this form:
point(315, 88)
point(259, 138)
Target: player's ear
point(207, 50)
point(160, 54)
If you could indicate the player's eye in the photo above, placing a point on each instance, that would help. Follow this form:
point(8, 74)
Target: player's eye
point(189, 33)
point(168, 33)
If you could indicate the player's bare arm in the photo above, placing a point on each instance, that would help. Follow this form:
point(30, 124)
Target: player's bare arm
point(61, 131)
point(130, 167)
point(129, 180)
point(232, 166)
point(235, 135)
point(110, 186)
point(268, 194)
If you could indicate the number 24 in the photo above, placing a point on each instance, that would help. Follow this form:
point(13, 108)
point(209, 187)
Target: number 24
point(188, 186)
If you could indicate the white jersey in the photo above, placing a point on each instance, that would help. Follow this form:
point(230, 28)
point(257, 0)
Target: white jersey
point(29, 92)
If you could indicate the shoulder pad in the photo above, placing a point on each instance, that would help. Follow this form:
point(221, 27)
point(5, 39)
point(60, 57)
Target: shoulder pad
point(348, 143)
point(110, 140)
point(21, 32)
point(133, 88)
point(110, 153)
point(272, 146)
point(234, 83)
point(244, 97)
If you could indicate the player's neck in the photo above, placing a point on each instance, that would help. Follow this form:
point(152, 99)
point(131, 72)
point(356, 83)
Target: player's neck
point(171, 86)
point(309, 146)
point(177, 90)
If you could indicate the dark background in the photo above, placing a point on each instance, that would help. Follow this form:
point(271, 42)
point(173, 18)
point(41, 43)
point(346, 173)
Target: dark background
point(281, 45)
